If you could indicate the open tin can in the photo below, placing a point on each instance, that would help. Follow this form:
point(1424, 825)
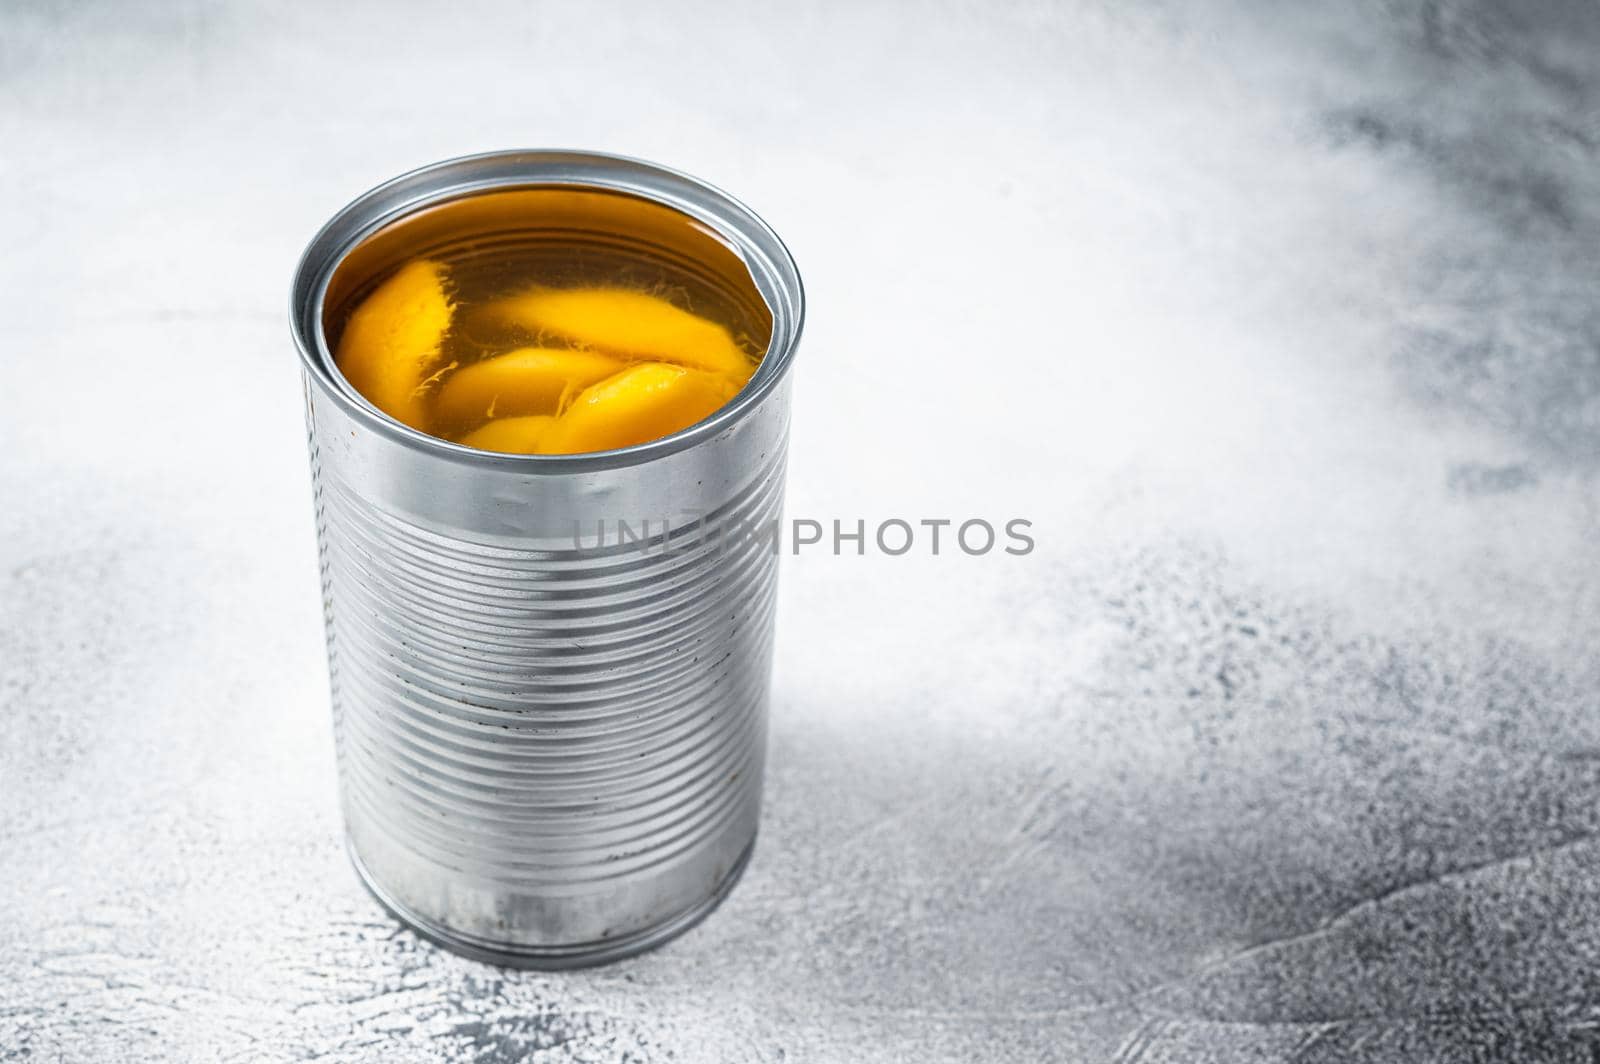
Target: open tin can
point(550, 747)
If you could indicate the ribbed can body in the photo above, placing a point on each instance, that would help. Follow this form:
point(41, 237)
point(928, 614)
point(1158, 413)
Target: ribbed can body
point(549, 680)
point(547, 739)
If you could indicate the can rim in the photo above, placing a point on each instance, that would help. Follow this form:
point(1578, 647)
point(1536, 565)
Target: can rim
point(771, 267)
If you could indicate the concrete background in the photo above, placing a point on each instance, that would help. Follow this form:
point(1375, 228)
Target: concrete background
point(1280, 323)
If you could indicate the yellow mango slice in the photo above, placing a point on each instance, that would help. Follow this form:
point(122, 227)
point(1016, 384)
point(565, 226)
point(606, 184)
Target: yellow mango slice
point(642, 403)
point(512, 435)
point(529, 380)
point(632, 324)
point(390, 345)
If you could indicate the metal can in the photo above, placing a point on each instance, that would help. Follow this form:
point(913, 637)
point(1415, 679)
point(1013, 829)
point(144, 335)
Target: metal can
point(550, 752)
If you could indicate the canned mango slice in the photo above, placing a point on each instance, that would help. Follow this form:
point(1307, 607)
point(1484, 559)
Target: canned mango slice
point(511, 435)
point(642, 403)
point(529, 380)
point(640, 368)
point(630, 324)
point(392, 341)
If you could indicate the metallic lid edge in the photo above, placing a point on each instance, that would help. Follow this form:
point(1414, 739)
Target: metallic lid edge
point(769, 261)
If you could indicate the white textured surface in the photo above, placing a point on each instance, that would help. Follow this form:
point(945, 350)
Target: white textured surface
point(1282, 326)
